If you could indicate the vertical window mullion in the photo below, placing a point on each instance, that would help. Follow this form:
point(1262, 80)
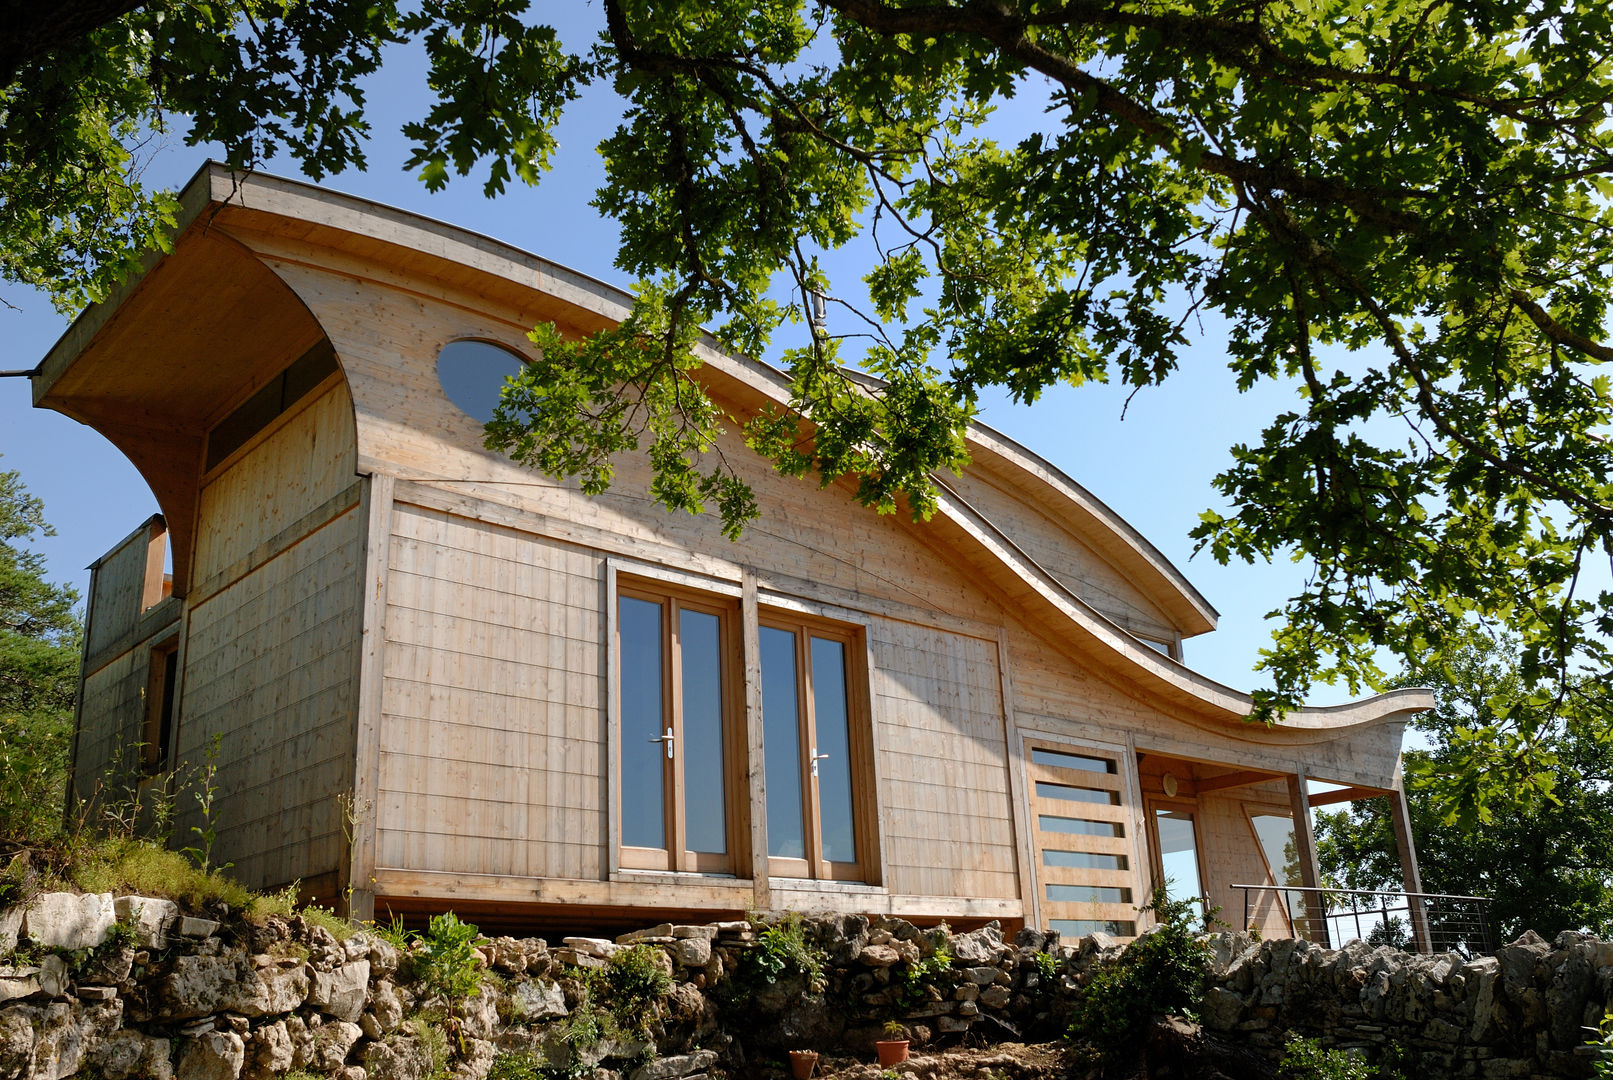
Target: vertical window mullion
point(809, 744)
point(674, 722)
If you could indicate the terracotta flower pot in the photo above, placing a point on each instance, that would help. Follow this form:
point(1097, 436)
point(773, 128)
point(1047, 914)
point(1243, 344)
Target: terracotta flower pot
point(802, 1062)
point(891, 1052)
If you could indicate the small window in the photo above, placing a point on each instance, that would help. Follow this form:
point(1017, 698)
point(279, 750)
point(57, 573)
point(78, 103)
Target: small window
point(162, 685)
point(473, 374)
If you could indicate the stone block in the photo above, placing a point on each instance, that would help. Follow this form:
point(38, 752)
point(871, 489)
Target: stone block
point(203, 985)
point(192, 927)
point(67, 1033)
point(996, 997)
point(676, 1066)
point(707, 932)
point(150, 918)
point(341, 993)
point(18, 982)
point(878, 956)
point(54, 978)
point(132, 1055)
point(1222, 1009)
point(334, 1042)
point(217, 1055)
point(10, 927)
point(69, 920)
point(587, 946)
point(691, 951)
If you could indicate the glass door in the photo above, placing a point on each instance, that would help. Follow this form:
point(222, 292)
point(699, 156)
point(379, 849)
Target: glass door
point(1083, 852)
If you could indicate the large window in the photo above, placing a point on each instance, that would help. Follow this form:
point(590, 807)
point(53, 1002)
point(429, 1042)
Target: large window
point(679, 795)
point(814, 734)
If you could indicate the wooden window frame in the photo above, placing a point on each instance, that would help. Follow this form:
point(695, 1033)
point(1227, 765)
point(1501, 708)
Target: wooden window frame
point(1250, 809)
point(736, 802)
point(860, 740)
point(1156, 850)
point(162, 687)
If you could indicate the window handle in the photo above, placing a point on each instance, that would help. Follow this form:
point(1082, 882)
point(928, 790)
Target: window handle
point(817, 757)
point(669, 739)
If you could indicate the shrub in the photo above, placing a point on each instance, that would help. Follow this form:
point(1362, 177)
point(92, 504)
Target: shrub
point(635, 979)
point(340, 928)
point(783, 948)
point(1305, 1059)
point(1162, 972)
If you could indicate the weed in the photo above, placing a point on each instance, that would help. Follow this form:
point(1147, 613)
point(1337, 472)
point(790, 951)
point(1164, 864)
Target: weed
point(920, 973)
point(434, 1041)
point(448, 964)
point(127, 865)
point(340, 928)
point(635, 979)
point(206, 794)
point(783, 948)
point(1603, 1047)
point(1159, 973)
point(1305, 1059)
point(282, 903)
point(393, 931)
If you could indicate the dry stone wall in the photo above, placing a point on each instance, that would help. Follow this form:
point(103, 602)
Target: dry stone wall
point(119, 988)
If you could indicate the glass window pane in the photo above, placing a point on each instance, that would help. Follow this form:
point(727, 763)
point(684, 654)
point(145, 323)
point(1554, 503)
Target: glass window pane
point(1178, 853)
point(1083, 927)
point(834, 739)
point(781, 735)
point(472, 374)
point(643, 719)
point(1072, 761)
point(1084, 860)
point(1088, 894)
point(1080, 826)
point(1076, 794)
point(700, 643)
point(1276, 832)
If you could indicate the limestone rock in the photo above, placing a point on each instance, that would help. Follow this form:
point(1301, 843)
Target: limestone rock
point(150, 918)
point(131, 1055)
point(66, 1033)
point(202, 985)
point(878, 956)
point(192, 927)
point(596, 947)
point(476, 1061)
point(69, 920)
point(54, 978)
point(18, 982)
point(17, 1040)
point(399, 1058)
point(657, 934)
point(334, 1042)
point(691, 951)
point(537, 1000)
point(10, 927)
point(1222, 1009)
point(341, 993)
point(269, 1052)
point(386, 1007)
point(217, 1055)
point(676, 1066)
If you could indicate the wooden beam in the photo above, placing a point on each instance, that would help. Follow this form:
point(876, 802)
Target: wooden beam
point(755, 752)
point(1406, 847)
point(1204, 785)
point(1348, 794)
point(364, 813)
point(1310, 872)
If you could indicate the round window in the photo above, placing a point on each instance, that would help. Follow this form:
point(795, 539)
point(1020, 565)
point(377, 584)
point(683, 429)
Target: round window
point(473, 372)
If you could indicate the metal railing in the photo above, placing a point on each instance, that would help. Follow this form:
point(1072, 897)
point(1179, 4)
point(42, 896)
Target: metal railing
point(1424, 922)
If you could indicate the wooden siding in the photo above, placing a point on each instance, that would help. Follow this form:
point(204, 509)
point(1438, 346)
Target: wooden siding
point(114, 709)
point(1232, 856)
point(306, 459)
point(938, 733)
point(492, 729)
point(271, 668)
point(121, 590)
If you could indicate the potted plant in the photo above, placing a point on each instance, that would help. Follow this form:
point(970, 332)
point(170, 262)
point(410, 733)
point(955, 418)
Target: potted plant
point(893, 1047)
point(802, 1062)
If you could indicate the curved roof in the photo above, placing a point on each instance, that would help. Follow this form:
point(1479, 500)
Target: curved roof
point(459, 256)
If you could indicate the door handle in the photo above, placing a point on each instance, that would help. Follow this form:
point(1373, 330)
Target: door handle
point(817, 757)
point(669, 739)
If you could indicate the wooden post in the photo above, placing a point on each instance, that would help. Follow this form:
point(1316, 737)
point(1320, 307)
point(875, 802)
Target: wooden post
point(1310, 872)
point(1406, 848)
point(364, 812)
point(751, 644)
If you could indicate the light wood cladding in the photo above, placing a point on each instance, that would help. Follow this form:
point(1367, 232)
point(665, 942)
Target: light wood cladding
point(121, 587)
point(271, 668)
point(946, 822)
point(114, 707)
point(492, 730)
point(306, 459)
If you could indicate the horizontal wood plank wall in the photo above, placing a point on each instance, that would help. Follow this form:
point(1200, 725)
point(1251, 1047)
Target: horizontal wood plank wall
point(1062, 554)
point(297, 468)
point(938, 731)
point(114, 711)
point(271, 666)
point(115, 600)
point(271, 658)
point(492, 731)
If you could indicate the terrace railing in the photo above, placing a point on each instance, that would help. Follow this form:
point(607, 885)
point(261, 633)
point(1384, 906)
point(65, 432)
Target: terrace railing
point(1426, 922)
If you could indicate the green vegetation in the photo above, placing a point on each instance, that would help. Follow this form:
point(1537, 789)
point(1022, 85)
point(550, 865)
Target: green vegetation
point(447, 963)
point(39, 655)
point(782, 949)
point(1160, 973)
point(914, 977)
point(636, 979)
point(1545, 868)
point(1305, 1059)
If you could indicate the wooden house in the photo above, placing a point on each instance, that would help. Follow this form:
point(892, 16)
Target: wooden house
point(434, 679)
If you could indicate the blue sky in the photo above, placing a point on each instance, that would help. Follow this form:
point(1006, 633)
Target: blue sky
point(1154, 467)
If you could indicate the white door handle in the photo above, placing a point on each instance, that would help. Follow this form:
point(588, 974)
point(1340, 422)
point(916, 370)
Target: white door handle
point(669, 739)
point(817, 757)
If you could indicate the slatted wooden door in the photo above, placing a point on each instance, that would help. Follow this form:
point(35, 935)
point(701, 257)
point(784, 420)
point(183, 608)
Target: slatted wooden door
point(1083, 849)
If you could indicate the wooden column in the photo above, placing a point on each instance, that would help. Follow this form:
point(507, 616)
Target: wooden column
point(755, 774)
point(1406, 848)
point(363, 812)
point(1310, 873)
